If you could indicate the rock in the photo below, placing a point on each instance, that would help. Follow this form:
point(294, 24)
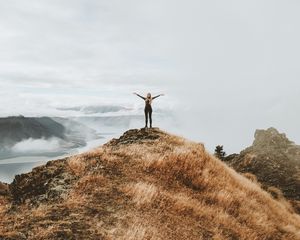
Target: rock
point(230, 157)
point(136, 136)
point(43, 183)
point(274, 159)
point(4, 189)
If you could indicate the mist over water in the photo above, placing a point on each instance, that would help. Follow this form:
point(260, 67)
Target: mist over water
point(35, 152)
point(19, 165)
point(36, 145)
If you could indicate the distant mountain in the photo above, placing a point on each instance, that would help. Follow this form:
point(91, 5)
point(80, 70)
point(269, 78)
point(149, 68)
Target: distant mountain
point(274, 160)
point(17, 129)
point(64, 134)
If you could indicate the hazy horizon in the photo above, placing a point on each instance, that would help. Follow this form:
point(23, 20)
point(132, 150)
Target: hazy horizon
point(227, 67)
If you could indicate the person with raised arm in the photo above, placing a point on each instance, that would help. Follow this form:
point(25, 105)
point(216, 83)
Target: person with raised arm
point(148, 108)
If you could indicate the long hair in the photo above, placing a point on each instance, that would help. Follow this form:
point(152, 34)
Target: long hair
point(149, 98)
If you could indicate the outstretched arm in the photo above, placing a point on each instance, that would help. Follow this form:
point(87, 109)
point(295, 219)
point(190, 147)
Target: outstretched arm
point(139, 96)
point(158, 96)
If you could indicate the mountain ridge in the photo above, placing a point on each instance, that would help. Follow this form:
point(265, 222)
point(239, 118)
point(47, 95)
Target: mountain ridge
point(16, 129)
point(23, 136)
point(147, 184)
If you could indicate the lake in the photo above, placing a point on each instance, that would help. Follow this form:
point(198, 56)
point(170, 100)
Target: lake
point(13, 166)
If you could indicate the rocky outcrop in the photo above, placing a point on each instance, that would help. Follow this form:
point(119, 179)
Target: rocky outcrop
point(4, 189)
point(274, 159)
point(44, 183)
point(136, 136)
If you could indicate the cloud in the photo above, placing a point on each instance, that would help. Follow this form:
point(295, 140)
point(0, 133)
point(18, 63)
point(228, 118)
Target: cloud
point(37, 146)
point(227, 67)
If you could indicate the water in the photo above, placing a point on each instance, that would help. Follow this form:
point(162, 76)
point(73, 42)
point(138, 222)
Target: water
point(13, 166)
point(107, 127)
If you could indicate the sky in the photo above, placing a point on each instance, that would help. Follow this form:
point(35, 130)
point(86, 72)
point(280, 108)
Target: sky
point(227, 67)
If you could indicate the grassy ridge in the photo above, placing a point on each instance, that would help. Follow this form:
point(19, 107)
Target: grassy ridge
point(147, 185)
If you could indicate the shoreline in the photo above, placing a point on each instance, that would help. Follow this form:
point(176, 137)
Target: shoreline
point(11, 167)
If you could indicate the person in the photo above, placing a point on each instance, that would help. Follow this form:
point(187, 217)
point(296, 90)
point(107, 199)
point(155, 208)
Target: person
point(148, 108)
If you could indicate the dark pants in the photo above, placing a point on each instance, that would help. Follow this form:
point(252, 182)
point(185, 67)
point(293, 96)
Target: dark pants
point(148, 113)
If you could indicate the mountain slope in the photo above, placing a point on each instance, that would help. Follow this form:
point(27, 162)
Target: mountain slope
point(16, 129)
point(274, 160)
point(43, 136)
point(144, 185)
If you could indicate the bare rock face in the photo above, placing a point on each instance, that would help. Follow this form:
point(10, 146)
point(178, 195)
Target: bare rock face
point(4, 190)
point(137, 136)
point(268, 140)
point(44, 183)
point(274, 159)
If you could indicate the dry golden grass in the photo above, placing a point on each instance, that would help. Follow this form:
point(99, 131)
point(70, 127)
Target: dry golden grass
point(137, 230)
point(77, 165)
point(197, 185)
point(142, 193)
point(251, 177)
point(167, 188)
point(90, 184)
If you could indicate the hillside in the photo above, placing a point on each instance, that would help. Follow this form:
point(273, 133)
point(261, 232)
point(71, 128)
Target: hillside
point(42, 136)
point(144, 185)
point(274, 160)
point(16, 129)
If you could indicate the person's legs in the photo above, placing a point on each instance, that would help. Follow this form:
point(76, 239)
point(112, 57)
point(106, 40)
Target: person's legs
point(150, 117)
point(146, 118)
